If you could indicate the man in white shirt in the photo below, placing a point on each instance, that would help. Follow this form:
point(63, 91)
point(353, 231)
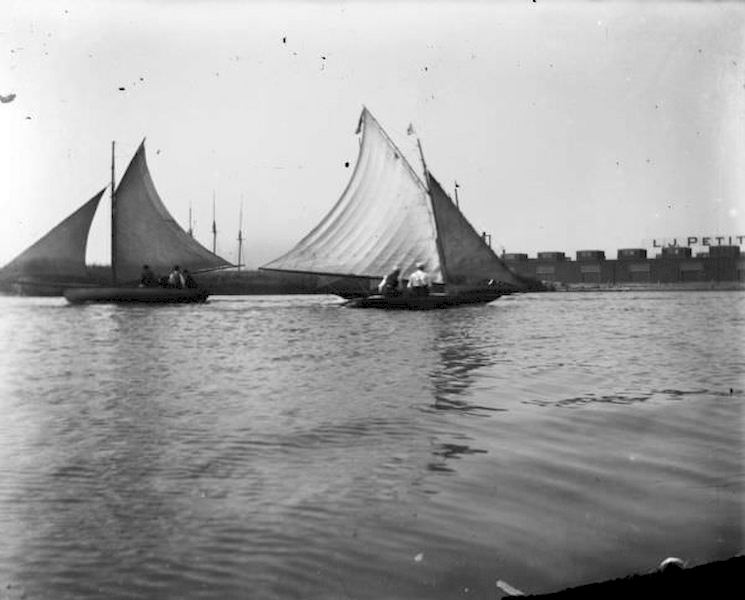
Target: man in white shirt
point(419, 281)
point(176, 278)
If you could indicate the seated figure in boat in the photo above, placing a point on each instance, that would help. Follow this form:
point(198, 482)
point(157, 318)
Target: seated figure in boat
point(147, 277)
point(391, 283)
point(176, 278)
point(419, 281)
point(189, 281)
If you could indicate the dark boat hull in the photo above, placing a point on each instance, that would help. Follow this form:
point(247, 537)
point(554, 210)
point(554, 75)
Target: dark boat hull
point(430, 302)
point(17, 288)
point(39, 287)
point(133, 295)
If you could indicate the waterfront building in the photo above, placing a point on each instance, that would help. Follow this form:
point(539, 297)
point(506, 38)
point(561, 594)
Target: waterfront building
point(673, 265)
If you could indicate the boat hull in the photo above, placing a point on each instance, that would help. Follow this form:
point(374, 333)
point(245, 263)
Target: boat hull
point(432, 301)
point(134, 295)
point(17, 288)
point(40, 287)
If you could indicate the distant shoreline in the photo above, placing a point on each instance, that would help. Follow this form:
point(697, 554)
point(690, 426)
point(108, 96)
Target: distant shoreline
point(687, 286)
point(256, 283)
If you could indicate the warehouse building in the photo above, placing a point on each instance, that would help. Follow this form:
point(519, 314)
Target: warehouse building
point(674, 264)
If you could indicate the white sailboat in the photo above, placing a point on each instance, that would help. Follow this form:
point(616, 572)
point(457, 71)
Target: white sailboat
point(388, 216)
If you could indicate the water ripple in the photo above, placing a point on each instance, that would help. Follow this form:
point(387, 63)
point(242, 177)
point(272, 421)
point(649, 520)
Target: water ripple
point(286, 447)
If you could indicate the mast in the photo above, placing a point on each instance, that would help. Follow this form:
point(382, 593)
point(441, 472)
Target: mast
point(214, 225)
point(113, 217)
point(191, 229)
point(457, 204)
point(147, 232)
point(424, 164)
point(438, 240)
point(240, 234)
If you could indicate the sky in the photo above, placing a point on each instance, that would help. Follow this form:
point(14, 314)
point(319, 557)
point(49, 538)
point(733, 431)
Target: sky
point(568, 126)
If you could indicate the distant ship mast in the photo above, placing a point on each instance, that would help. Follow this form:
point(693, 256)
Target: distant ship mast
point(113, 216)
point(191, 229)
point(214, 226)
point(240, 235)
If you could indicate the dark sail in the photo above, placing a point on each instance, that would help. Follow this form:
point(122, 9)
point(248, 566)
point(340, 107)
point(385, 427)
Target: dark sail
point(146, 233)
point(468, 259)
point(59, 256)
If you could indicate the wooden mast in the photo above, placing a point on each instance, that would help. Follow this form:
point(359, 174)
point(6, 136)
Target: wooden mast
point(424, 164)
point(438, 241)
point(113, 217)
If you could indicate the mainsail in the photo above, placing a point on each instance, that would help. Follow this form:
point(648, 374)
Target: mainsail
point(383, 218)
point(387, 217)
point(468, 259)
point(59, 256)
point(144, 232)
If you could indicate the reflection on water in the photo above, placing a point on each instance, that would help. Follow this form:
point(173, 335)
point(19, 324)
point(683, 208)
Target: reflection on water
point(631, 399)
point(284, 447)
point(444, 452)
point(462, 347)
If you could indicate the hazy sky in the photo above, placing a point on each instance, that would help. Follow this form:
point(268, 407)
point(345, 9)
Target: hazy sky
point(567, 125)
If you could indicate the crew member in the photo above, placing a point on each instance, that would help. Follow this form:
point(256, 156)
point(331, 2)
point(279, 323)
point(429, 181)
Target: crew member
point(419, 281)
point(390, 284)
point(147, 277)
point(176, 278)
point(189, 281)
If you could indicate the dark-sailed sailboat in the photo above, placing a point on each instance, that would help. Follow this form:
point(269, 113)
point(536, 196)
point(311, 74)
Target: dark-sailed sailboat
point(388, 216)
point(56, 260)
point(144, 232)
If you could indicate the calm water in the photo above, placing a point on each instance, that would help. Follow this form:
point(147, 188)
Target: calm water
point(284, 447)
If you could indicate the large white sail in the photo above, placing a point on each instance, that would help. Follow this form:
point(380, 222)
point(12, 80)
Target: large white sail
point(383, 218)
point(58, 256)
point(146, 233)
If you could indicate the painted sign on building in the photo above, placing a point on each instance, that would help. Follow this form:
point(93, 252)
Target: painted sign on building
point(697, 240)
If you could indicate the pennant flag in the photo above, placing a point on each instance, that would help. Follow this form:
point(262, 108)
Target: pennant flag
point(410, 130)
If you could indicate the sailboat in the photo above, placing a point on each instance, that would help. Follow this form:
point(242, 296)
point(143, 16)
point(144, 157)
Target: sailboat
point(142, 232)
point(388, 215)
point(56, 260)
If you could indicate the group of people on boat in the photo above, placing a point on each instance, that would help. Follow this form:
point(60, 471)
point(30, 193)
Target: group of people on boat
point(175, 279)
point(418, 284)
